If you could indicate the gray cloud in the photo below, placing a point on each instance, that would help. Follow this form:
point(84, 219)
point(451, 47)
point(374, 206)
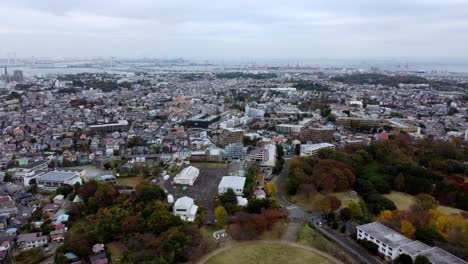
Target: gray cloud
point(235, 29)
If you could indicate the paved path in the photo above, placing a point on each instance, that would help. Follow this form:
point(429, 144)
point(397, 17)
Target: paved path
point(298, 214)
point(349, 245)
point(314, 250)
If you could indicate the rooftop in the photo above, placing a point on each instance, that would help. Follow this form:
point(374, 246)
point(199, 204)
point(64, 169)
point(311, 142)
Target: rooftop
point(57, 176)
point(385, 234)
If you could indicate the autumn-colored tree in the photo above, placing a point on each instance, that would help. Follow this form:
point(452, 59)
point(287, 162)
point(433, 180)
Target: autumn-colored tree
point(260, 223)
point(105, 194)
point(335, 203)
point(345, 214)
point(323, 204)
point(133, 224)
point(272, 216)
point(271, 189)
point(386, 215)
point(407, 229)
point(399, 182)
point(221, 216)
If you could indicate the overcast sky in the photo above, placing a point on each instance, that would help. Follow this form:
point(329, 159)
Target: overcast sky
point(235, 29)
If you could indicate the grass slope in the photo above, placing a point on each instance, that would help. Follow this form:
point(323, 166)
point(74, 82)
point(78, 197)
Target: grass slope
point(267, 254)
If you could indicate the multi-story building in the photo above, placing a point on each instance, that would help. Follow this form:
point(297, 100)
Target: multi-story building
point(289, 128)
point(357, 122)
point(231, 136)
point(265, 155)
point(253, 112)
point(313, 149)
point(317, 134)
point(233, 151)
point(121, 125)
point(392, 244)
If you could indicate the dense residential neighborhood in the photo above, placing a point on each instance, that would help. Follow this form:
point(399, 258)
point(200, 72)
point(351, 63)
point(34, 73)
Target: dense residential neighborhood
point(167, 166)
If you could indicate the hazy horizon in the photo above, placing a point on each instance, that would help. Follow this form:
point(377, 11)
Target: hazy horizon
point(204, 29)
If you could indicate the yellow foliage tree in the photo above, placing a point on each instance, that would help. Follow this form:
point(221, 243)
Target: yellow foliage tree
point(221, 216)
point(407, 229)
point(386, 215)
point(271, 189)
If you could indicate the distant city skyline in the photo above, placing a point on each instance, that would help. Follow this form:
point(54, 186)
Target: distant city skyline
point(235, 30)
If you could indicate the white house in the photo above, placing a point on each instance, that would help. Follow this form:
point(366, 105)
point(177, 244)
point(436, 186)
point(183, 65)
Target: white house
point(393, 244)
point(185, 208)
point(313, 149)
point(187, 176)
point(31, 240)
point(235, 183)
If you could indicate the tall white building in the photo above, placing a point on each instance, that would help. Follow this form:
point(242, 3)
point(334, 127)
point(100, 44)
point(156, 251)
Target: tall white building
point(313, 149)
point(253, 112)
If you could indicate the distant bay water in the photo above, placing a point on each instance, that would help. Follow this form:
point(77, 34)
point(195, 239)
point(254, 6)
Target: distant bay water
point(456, 66)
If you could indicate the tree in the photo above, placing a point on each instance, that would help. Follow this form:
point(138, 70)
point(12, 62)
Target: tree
point(161, 219)
point(426, 202)
point(8, 177)
point(221, 216)
point(355, 209)
point(228, 197)
point(399, 182)
point(64, 189)
point(105, 194)
point(345, 214)
point(146, 192)
point(428, 235)
point(386, 215)
point(404, 259)
point(335, 203)
point(421, 260)
point(407, 229)
point(271, 189)
point(133, 224)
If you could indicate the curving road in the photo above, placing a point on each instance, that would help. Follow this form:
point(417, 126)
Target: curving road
point(298, 214)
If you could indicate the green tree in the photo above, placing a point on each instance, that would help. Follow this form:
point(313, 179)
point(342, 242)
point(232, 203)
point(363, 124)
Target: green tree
point(421, 260)
point(428, 235)
point(221, 216)
point(8, 177)
point(228, 197)
point(404, 259)
point(426, 202)
point(355, 208)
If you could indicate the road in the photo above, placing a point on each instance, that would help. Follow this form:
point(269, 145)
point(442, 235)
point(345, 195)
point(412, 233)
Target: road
point(298, 214)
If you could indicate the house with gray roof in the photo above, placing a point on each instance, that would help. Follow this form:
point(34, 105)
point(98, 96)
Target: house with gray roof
point(54, 179)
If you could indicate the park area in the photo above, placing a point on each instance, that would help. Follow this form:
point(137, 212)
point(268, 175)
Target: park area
point(404, 201)
point(271, 253)
point(309, 201)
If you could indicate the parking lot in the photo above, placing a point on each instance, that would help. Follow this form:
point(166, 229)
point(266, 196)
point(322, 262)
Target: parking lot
point(204, 189)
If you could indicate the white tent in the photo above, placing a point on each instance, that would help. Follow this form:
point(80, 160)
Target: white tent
point(187, 176)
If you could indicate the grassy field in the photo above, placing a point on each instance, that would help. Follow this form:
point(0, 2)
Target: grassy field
point(310, 237)
point(116, 250)
point(309, 202)
point(130, 181)
point(267, 253)
point(404, 201)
